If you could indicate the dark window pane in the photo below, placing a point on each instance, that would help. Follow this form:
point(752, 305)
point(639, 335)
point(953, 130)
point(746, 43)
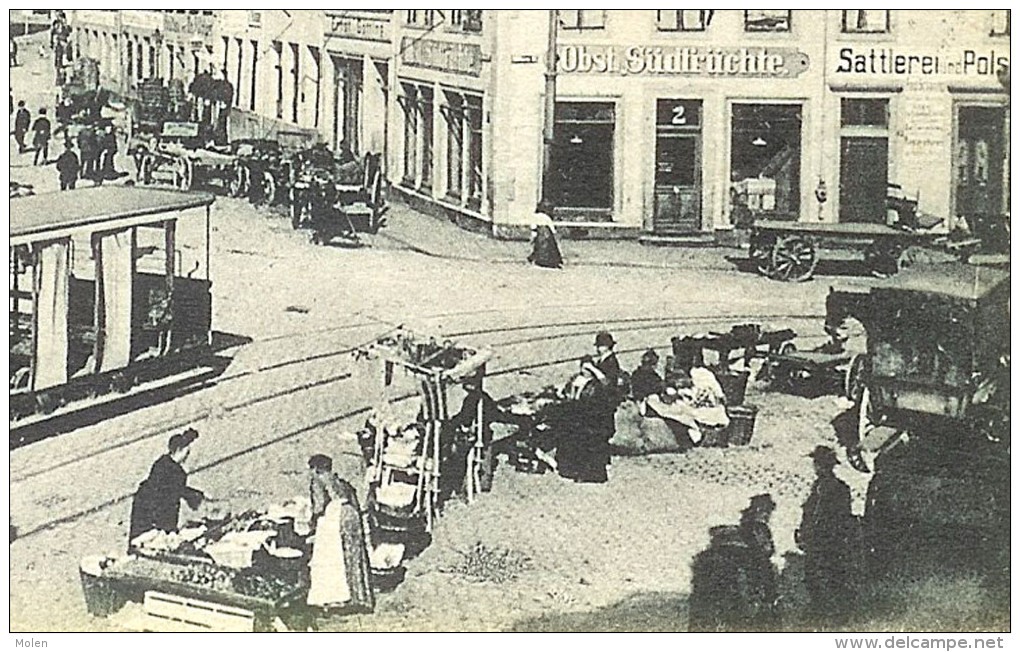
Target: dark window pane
point(864, 112)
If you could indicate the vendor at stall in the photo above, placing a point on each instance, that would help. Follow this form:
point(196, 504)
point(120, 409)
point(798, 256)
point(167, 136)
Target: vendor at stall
point(339, 568)
point(157, 502)
point(582, 452)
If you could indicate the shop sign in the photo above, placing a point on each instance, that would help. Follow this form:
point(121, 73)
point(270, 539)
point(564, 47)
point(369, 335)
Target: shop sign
point(738, 62)
point(895, 61)
point(364, 28)
point(462, 58)
point(188, 24)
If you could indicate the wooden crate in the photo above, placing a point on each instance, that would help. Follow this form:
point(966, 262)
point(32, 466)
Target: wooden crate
point(173, 613)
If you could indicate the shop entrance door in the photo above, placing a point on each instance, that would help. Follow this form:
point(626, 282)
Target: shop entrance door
point(979, 165)
point(863, 177)
point(677, 167)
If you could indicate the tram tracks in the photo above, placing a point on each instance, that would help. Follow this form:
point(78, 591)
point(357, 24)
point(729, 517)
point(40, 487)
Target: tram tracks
point(579, 328)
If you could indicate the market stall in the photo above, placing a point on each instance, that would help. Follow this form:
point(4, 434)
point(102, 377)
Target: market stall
point(237, 573)
point(409, 448)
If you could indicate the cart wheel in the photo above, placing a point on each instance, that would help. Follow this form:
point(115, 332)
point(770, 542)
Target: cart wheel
point(853, 382)
point(883, 259)
point(237, 184)
point(761, 254)
point(486, 469)
point(268, 187)
point(794, 259)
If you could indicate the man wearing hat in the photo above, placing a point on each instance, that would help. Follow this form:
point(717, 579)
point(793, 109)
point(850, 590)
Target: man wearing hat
point(763, 579)
point(157, 502)
point(601, 422)
point(825, 534)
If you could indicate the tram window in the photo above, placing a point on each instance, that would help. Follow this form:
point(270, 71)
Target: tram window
point(150, 250)
point(21, 309)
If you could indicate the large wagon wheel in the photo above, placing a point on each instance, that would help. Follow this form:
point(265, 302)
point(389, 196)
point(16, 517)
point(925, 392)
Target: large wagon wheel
point(884, 258)
point(794, 259)
point(239, 181)
point(761, 253)
point(856, 377)
point(268, 187)
point(869, 420)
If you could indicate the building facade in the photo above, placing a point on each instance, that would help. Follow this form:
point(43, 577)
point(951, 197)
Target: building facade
point(665, 122)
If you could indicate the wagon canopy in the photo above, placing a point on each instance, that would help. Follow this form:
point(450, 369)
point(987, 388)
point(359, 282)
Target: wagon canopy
point(48, 215)
point(940, 324)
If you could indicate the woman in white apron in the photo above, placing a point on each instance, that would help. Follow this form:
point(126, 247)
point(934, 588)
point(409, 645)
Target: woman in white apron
point(339, 569)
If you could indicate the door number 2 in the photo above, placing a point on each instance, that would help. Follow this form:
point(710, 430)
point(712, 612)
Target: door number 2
point(678, 115)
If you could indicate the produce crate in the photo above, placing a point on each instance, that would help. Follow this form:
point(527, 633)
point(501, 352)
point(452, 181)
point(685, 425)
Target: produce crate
point(173, 613)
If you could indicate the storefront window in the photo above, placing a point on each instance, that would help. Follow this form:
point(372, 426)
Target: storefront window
point(254, 73)
point(474, 151)
point(767, 20)
point(865, 21)
point(582, 160)
point(410, 107)
point(765, 161)
point(278, 50)
point(856, 112)
point(425, 105)
point(454, 145)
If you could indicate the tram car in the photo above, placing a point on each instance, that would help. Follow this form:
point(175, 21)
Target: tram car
point(103, 296)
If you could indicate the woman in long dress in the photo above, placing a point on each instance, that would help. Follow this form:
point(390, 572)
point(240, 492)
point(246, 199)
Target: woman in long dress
point(545, 251)
point(339, 568)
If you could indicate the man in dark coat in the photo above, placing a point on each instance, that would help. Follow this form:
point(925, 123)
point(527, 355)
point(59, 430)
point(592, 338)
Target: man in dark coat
point(22, 121)
point(42, 130)
point(721, 597)
point(68, 166)
point(108, 149)
point(825, 535)
point(157, 502)
point(763, 578)
point(88, 148)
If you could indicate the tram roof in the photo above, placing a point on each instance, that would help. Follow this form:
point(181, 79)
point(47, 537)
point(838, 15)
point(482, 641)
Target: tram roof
point(37, 217)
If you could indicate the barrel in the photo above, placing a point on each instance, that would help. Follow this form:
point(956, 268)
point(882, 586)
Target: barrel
point(101, 598)
point(741, 428)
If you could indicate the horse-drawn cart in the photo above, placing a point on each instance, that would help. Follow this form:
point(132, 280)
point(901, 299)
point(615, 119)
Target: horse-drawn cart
point(175, 158)
point(788, 251)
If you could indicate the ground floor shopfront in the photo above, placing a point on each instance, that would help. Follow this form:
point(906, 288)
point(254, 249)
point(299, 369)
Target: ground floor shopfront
point(657, 162)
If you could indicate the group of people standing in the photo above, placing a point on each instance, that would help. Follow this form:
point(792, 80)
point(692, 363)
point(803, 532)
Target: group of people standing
point(90, 155)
